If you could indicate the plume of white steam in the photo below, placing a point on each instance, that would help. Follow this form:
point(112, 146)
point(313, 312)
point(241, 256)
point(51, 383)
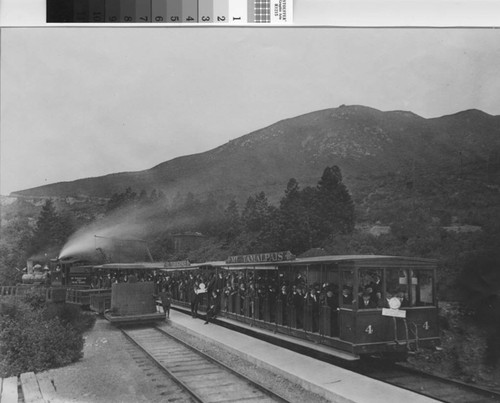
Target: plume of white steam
point(87, 239)
point(127, 223)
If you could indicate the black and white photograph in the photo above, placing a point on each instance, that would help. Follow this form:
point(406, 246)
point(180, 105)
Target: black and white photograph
point(226, 214)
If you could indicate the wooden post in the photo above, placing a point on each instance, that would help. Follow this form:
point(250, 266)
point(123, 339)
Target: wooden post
point(308, 317)
point(325, 321)
point(256, 307)
point(267, 310)
point(246, 306)
point(292, 316)
point(279, 312)
point(237, 304)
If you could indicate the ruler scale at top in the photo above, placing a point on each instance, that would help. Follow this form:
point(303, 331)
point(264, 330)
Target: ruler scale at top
point(228, 12)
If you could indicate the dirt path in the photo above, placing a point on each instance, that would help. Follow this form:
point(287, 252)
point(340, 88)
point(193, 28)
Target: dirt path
point(109, 371)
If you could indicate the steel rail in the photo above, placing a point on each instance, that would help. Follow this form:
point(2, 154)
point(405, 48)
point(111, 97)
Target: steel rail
point(197, 397)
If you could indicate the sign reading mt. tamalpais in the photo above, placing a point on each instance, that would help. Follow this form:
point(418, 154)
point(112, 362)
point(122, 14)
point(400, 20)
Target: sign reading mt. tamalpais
point(262, 257)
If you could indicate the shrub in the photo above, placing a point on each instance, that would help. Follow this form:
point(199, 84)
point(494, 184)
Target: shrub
point(38, 339)
point(71, 315)
point(35, 297)
point(10, 309)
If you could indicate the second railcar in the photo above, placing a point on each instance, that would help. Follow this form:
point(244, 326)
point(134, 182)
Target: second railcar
point(362, 304)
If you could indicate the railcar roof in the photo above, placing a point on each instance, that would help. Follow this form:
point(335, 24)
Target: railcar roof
point(132, 266)
point(217, 263)
point(362, 260)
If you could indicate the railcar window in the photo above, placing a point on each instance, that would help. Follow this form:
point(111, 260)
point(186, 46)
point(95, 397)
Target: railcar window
point(332, 277)
point(422, 287)
point(347, 297)
point(370, 288)
point(314, 275)
point(397, 285)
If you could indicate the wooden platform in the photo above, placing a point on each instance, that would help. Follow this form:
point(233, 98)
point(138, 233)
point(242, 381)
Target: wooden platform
point(36, 388)
point(8, 390)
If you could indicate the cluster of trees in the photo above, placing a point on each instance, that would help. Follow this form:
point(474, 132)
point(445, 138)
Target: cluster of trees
point(41, 239)
point(305, 218)
point(52, 230)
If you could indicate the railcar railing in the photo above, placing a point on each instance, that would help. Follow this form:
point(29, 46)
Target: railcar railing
point(18, 290)
point(82, 297)
point(8, 290)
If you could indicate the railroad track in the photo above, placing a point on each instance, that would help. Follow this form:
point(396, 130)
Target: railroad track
point(439, 388)
point(202, 377)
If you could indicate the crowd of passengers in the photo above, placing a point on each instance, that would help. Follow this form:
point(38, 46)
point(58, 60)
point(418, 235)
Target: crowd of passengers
point(183, 285)
point(261, 296)
point(270, 297)
point(121, 276)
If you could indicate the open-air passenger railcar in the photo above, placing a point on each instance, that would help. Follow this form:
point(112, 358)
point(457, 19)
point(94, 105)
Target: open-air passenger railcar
point(362, 304)
point(132, 294)
point(118, 290)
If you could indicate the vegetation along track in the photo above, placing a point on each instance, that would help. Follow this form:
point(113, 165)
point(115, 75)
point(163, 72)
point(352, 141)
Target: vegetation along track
point(439, 388)
point(204, 378)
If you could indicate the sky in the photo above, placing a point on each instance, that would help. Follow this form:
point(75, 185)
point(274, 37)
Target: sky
point(85, 102)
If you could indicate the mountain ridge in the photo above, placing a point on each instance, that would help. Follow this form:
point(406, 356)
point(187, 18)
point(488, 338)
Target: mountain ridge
point(362, 141)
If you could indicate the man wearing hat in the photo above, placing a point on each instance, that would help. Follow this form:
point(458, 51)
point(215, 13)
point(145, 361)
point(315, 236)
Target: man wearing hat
point(366, 302)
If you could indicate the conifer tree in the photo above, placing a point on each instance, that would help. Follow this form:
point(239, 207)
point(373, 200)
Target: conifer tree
point(256, 212)
point(51, 229)
point(334, 206)
point(232, 220)
point(295, 230)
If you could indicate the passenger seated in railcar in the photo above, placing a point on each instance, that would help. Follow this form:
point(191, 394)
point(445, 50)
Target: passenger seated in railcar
point(132, 278)
point(366, 302)
point(251, 296)
point(226, 294)
point(376, 284)
point(347, 298)
point(384, 302)
point(330, 299)
point(242, 292)
point(374, 297)
point(107, 281)
point(259, 296)
point(402, 298)
point(300, 280)
point(296, 300)
point(271, 296)
point(312, 302)
point(219, 283)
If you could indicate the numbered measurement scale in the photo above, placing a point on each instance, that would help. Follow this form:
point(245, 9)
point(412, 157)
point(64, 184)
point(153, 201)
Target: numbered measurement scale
point(170, 11)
